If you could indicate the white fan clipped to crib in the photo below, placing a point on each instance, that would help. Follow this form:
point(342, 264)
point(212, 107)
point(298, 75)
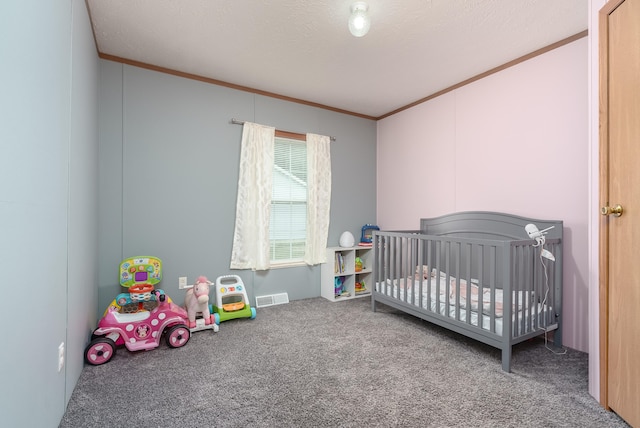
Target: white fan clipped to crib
point(538, 235)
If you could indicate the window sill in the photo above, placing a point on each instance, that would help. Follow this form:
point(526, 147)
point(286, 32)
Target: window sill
point(287, 264)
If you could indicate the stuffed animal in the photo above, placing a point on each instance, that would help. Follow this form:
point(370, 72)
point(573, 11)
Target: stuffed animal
point(425, 272)
point(197, 301)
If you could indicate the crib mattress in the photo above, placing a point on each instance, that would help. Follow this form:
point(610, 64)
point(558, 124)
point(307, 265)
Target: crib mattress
point(436, 301)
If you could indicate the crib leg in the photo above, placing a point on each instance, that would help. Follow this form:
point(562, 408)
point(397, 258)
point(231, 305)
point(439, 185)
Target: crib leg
point(557, 338)
point(373, 304)
point(506, 359)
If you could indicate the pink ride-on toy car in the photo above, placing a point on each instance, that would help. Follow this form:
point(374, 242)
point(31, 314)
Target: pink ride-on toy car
point(139, 318)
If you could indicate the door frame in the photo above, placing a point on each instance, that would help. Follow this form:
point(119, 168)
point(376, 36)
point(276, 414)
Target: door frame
point(603, 265)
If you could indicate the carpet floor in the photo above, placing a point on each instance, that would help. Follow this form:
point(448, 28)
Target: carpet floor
point(315, 363)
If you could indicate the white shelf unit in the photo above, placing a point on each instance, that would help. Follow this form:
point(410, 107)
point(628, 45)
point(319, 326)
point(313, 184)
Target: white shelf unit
point(346, 273)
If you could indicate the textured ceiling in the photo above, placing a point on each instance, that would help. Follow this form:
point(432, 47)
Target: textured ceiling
point(303, 49)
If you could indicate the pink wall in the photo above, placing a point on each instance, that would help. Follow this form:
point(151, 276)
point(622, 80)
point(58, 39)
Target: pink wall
point(517, 142)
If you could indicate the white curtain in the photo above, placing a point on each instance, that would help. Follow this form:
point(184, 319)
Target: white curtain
point(253, 208)
point(318, 198)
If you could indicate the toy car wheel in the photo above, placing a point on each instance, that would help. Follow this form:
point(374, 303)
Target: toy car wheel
point(177, 335)
point(253, 313)
point(99, 351)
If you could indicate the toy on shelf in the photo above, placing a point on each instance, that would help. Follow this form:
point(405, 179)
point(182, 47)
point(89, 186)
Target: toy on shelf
point(138, 319)
point(361, 287)
point(366, 239)
point(232, 300)
point(197, 303)
point(339, 288)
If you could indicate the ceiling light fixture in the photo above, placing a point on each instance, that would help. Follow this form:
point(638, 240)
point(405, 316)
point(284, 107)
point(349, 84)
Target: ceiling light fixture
point(359, 21)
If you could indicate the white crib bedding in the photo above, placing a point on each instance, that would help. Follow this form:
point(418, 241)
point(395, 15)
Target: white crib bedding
point(396, 289)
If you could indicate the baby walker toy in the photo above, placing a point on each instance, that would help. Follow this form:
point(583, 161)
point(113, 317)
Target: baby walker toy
point(138, 318)
point(232, 300)
point(197, 303)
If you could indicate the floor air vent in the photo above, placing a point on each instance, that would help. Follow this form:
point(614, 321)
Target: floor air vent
point(272, 299)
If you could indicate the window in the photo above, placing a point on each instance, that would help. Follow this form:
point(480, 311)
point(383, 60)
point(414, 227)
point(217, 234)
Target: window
point(283, 219)
point(288, 220)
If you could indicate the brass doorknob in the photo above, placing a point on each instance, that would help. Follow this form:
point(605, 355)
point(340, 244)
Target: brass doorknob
point(616, 211)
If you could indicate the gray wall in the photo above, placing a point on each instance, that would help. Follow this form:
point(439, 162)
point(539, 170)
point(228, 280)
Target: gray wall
point(169, 168)
point(48, 204)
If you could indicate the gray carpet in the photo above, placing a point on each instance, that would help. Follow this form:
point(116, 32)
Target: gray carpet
point(314, 363)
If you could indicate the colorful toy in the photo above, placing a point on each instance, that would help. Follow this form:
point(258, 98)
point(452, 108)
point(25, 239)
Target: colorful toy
point(138, 275)
point(139, 318)
point(232, 300)
point(198, 309)
point(339, 289)
point(367, 235)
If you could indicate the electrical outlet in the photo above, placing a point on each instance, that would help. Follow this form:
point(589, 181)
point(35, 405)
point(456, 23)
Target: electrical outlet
point(182, 282)
point(60, 357)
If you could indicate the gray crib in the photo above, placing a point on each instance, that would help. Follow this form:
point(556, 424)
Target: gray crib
point(476, 273)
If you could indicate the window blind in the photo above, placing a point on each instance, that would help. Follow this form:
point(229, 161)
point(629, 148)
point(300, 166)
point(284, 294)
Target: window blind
point(287, 227)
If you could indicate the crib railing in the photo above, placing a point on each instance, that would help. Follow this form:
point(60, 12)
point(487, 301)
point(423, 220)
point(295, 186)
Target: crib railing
point(528, 282)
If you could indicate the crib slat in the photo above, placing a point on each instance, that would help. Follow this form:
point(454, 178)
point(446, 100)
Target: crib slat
point(402, 260)
point(518, 276)
point(388, 262)
point(438, 245)
point(468, 254)
point(447, 269)
point(481, 281)
point(420, 263)
point(429, 283)
point(493, 275)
